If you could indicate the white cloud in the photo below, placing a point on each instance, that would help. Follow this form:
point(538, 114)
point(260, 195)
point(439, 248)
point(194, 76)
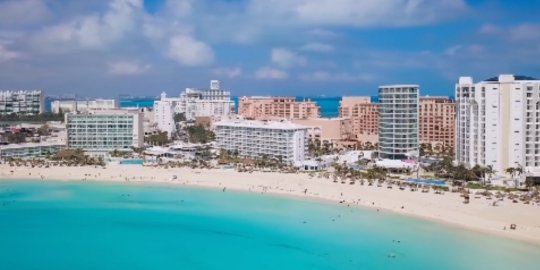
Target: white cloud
point(189, 52)
point(318, 47)
point(323, 33)
point(271, 73)
point(179, 8)
point(355, 12)
point(227, 72)
point(23, 12)
point(452, 50)
point(127, 68)
point(323, 76)
point(286, 58)
point(520, 32)
point(6, 54)
point(249, 21)
point(470, 50)
point(524, 32)
point(93, 31)
point(489, 29)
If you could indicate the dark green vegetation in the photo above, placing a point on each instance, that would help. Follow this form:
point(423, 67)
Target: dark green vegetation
point(199, 134)
point(179, 117)
point(42, 117)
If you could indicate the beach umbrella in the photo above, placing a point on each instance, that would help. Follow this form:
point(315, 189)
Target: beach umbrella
point(174, 177)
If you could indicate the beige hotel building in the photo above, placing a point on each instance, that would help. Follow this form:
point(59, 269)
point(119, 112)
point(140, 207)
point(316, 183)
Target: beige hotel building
point(436, 115)
point(260, 108)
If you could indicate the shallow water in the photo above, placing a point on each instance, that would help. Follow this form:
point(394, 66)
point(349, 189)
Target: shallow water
point(90, 225)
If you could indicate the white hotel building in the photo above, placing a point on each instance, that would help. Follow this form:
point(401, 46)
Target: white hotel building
point(498, 123)
point(164, 116)
point(196, 102)
point(279, 140)
point(102, 131)
point(22, 102)
point(193, 102)
point(65, 106)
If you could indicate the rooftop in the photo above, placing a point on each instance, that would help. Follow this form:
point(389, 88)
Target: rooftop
point(400, 86)
point(31, 145)
point(107, 112)
point(322, 119)
point(20, 91)
point(83, 100)
point(283, 125)
point(516, 78)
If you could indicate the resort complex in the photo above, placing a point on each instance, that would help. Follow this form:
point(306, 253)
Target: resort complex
point(401, 129)
point(270, 134)
point(396, 152)
point(281, 141)
point(99, 132)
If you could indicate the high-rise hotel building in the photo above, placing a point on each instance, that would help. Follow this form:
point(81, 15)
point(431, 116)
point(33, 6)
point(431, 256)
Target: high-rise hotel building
point(437, 121)
point(498, 122)
point(398, 121)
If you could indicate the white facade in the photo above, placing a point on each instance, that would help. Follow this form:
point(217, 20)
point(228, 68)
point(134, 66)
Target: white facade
point(498, 123)
point(195, 102)
point(278, 140)
point(105, 130)
point(29, 150)
point(164, 116)
point(58, 106)
point(22, 102)
point(398, 120)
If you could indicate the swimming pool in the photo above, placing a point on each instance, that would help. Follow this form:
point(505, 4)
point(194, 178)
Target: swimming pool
point(357, 167)
point(427, 181)
point(131, 162)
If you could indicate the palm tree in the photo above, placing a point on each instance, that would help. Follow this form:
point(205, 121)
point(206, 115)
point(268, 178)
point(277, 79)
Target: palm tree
point(369, 146)
point(511, 171)
point(519, 172)
point(489, 171)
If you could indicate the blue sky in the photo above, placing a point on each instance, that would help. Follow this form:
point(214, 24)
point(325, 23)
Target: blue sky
point(255, 47)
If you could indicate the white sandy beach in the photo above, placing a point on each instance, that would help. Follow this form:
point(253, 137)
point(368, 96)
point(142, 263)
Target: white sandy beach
point(479, 215)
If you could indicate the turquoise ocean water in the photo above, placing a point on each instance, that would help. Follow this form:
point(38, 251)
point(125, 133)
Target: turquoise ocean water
point(89, 225)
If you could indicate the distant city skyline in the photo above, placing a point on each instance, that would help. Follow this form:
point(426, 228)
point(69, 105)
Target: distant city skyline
point(104, 48)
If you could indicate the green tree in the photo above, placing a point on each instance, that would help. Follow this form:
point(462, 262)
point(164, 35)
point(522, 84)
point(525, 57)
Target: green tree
point(44, 130)
point(161, 138)
point(16, 137)
point(179, 117)
point(42, 117)
point(199, 134)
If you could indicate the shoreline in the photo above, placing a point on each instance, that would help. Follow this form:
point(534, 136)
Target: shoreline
point(478, 216)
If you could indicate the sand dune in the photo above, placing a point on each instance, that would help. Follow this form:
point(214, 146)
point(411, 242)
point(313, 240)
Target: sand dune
point(479, 215)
